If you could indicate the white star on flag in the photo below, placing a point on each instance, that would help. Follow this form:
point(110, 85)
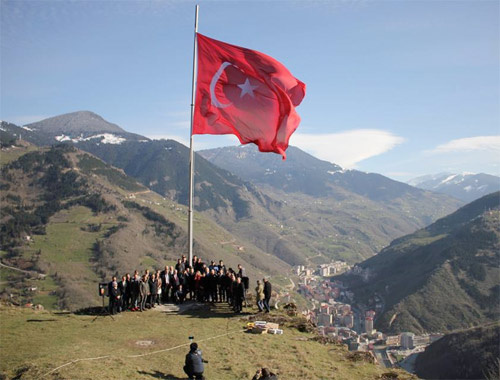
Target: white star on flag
point(247, 88)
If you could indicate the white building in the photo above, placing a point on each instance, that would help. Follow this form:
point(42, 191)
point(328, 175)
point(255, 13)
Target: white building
point(368, 325)
point(407, 339)
point(349, 320)
point(325, 320)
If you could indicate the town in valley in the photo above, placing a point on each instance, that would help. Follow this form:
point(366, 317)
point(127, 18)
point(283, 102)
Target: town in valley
point(337, 314)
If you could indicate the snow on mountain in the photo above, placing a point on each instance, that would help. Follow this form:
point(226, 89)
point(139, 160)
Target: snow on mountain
point(428, 177)
point(465, 186)
point(448, 179)
point(106, 138)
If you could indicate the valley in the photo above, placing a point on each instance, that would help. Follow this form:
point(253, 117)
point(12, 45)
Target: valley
point(76, 213)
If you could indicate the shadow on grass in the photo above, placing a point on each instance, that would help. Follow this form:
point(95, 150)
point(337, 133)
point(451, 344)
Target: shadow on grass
point(93, 310)
point(191, 309)
point(212, 310)
point(160, 375)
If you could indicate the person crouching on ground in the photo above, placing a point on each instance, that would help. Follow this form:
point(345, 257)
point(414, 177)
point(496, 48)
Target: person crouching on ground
point(179, 295)
point(194, 363)
point(264, 374)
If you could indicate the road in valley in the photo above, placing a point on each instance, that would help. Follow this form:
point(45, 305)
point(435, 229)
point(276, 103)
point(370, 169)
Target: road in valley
point(381, 356)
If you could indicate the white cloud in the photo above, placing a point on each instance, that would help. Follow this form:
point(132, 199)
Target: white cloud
point(347, 148)
point(468, 144)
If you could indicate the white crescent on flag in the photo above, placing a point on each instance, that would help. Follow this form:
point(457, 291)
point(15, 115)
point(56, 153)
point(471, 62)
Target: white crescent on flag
point(214, 81)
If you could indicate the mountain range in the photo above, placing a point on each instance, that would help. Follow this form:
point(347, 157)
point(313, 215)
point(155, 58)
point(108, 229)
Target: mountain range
point(303, 210)
point(466, 186)
point(303, 173)
point(448, 269)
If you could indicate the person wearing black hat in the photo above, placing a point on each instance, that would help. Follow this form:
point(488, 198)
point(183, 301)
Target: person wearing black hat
point(194, 363)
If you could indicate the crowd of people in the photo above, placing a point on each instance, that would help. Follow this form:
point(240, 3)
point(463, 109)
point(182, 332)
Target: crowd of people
point(175, 284)
point(197, 282)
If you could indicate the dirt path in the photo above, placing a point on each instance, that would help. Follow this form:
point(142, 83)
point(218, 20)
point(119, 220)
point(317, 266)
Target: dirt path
point(21, 270)
point(140, 192)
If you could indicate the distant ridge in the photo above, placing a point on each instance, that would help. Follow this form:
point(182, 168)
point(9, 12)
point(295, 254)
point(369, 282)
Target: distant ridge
point(75, 122)
point(303, 173)
point(465, 186)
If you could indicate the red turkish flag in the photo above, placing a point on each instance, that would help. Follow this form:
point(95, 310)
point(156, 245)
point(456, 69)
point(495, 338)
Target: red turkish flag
point(246, 93)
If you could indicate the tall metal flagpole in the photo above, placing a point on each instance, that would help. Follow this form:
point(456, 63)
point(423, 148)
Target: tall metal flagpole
point(191, 153)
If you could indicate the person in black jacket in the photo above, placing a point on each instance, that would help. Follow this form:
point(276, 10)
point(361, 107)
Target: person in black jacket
point(267, 294)
point(180, 266)
point(212, 286)
point(174, 283)
point(194, 363)
point(221, 285)
point(230, 279)
point(264, 374)
point(110, 288)
point(124, 287)
point(165, 282)
point(153, 287)
point(114, 298)
point(239, 295)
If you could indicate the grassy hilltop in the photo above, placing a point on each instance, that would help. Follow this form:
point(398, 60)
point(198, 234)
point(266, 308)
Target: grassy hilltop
point(35, 343)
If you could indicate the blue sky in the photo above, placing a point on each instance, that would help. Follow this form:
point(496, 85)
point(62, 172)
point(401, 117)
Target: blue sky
point(401, 88)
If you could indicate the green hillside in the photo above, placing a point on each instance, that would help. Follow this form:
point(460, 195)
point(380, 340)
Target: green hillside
point(467, 354)
point(153, 345)
point(70, 221)
point(302, 210)
point(306, 214)
point(449, 269)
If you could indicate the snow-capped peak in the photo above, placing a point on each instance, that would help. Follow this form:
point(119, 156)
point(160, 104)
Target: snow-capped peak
point(448, 179)
point(106, 138)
